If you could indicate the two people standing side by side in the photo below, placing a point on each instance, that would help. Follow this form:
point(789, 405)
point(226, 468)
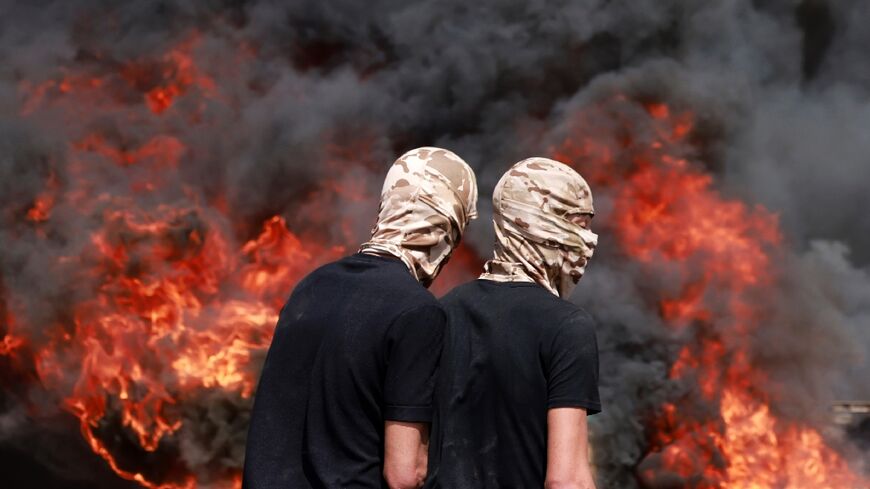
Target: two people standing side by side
point(346, 394)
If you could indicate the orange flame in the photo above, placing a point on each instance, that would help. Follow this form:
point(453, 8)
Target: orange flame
point(10, 343)
point(177, 73)
point(159, 329)
point(41, 210)
point(175, 306)
point(175, 309)
point(667, 213)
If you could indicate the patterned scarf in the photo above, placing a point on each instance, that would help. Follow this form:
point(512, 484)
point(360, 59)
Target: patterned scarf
point(536, 240)
point(428, 198)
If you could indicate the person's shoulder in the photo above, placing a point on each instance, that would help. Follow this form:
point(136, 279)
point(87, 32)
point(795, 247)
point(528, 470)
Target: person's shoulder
point(320, 273)
point(390, 277)
point(547, 305)
point(459, 291)
point(470, 290)
point(420, 310)
point(419, 300)
point(567, 315)
point(407, 290)
point(336, 274)
point(520, 296)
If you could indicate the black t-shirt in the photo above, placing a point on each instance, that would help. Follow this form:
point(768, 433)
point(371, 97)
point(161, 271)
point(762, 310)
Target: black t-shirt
point(512, 351)
point(357, 343)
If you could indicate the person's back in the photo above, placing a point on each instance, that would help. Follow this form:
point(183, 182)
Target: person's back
point(519, 371)
point(326, 367)
point(515, 351)
point(344, 398)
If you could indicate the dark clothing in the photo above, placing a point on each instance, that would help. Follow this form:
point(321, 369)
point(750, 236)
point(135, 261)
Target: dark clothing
point(357, 343)
point(512, 351)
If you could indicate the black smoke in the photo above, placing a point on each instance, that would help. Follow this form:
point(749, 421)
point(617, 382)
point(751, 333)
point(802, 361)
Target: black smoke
point(308, 91)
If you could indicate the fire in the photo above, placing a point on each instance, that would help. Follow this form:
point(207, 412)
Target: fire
point(172, 305)
point(175, 303)
point(164, 150)
point(174, 75)
point(10, 343)
point(36, 94)
point(160, 82)
point(668, 217)
point(796, 456)
point(158, 328)
point(41, 209)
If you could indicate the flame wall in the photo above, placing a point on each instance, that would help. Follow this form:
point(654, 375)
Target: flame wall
point(168, 170)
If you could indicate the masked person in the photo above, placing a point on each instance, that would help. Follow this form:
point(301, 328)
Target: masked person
point(344, 398)
point(519, 372)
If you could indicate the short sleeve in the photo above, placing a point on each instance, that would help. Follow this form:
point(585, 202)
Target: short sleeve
point(414, 343)
point(572, 365)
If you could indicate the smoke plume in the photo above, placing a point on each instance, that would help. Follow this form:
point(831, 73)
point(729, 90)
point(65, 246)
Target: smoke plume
point(157, 150)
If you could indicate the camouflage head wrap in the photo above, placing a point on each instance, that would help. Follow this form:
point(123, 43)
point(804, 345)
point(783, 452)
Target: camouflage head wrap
point(428, 198)
point(535, 239)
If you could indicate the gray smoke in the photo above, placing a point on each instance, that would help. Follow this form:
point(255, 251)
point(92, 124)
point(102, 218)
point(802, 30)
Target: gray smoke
point(312, 92)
